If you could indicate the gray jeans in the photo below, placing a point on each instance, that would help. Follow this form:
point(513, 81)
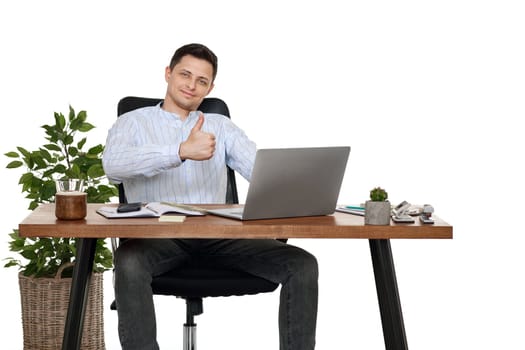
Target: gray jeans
point(138, 260)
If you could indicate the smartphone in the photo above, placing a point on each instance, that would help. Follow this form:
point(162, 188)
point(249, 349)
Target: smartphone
point(127, 207)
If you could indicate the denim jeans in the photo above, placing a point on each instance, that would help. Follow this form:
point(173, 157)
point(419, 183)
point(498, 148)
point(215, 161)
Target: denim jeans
point(138, 260)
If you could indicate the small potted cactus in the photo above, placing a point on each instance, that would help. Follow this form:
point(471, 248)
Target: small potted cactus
point(377, 209)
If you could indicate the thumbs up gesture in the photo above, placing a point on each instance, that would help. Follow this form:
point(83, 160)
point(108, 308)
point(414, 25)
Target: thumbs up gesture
point(199, 145)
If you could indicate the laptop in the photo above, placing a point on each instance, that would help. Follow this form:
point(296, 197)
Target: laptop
point(292, 182)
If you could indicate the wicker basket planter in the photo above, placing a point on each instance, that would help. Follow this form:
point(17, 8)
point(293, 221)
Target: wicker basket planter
point(44, 310)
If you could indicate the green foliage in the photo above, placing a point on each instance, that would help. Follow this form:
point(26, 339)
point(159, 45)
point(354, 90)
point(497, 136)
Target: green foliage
point(63, 155)
point(378, 194)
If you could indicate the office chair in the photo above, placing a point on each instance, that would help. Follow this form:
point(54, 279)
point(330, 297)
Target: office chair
point(194, 282)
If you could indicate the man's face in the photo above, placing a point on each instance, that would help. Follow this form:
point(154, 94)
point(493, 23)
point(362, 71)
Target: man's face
point(189, 82)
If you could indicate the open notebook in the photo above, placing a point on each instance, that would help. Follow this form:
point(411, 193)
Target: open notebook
point(152, 209)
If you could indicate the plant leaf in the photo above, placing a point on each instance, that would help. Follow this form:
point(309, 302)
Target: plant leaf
point(60, 121)
point(81, 143)
point(11, 154)
point(71, 113)
point(14, 164)
point(82, 116)
point(95, 171)
point(73, 151)
point(60, 168)
point(96, 149)
point(24, 152)
point(52, 147)
point(45, 154)
point(85, 127)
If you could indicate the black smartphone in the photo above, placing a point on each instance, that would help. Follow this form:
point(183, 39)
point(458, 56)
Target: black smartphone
point(127, 207)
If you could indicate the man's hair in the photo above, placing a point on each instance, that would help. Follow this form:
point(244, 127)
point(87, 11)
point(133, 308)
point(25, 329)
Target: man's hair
point(196, 50)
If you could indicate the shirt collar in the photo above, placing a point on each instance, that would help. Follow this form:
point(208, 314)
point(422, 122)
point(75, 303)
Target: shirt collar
point(172, 114)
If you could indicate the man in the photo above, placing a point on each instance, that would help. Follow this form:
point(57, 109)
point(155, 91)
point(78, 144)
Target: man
point(171, 152)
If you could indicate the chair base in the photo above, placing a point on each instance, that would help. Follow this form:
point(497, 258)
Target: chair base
point(189, 339)
point(193, 308)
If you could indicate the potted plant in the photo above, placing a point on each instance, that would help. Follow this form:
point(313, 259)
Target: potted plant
point(46, 265)
point(377, 209)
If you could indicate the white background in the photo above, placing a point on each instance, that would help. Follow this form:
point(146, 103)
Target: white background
point(427, 93)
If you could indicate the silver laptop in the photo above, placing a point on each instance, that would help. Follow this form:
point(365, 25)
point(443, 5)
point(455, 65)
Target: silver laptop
point(292, 182)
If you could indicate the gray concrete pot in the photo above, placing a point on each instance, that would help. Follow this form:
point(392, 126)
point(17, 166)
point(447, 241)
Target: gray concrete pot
point(377, 213)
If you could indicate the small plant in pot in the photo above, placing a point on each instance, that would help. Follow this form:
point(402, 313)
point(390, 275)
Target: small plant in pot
point(377, 209)
point(43, 262)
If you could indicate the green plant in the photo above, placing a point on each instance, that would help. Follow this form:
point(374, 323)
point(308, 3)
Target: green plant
point(62, 156)
point(378, 194)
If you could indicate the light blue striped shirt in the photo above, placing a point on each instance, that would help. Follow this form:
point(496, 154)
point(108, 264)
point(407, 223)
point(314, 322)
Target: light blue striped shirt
point(142, 152)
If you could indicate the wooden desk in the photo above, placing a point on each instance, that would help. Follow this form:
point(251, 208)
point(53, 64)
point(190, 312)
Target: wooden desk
point(42, 223)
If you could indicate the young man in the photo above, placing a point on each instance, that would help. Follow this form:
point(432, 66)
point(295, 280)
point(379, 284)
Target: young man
point(171, 152)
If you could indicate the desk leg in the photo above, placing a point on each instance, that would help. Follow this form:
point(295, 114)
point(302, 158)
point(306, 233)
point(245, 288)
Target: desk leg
point(388, 295)
point(79, 292)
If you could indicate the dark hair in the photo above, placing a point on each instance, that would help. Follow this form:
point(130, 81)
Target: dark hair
point(198, 51)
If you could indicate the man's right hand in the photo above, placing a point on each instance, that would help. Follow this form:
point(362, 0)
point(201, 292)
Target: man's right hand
point(199, 145)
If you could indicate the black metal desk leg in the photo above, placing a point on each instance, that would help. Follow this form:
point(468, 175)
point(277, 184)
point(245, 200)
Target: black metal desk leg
point(388, 295)
point(79, 292)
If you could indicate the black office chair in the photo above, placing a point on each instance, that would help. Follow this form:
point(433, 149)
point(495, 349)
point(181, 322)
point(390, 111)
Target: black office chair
point(194, 282)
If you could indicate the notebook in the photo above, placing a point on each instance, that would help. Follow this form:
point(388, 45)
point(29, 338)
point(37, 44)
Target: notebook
point(292, 182)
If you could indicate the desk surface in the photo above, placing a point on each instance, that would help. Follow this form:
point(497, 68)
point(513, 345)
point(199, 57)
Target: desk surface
point(42, 223)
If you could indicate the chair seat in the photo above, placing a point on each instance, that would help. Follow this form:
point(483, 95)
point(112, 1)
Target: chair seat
point(205, 281)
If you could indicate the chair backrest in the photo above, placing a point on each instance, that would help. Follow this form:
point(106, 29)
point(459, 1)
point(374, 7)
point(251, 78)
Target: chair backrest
point(208, 105)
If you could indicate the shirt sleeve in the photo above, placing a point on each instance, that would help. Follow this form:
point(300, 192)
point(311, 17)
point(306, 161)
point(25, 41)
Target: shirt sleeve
point(240, 150)
point(126, 155)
